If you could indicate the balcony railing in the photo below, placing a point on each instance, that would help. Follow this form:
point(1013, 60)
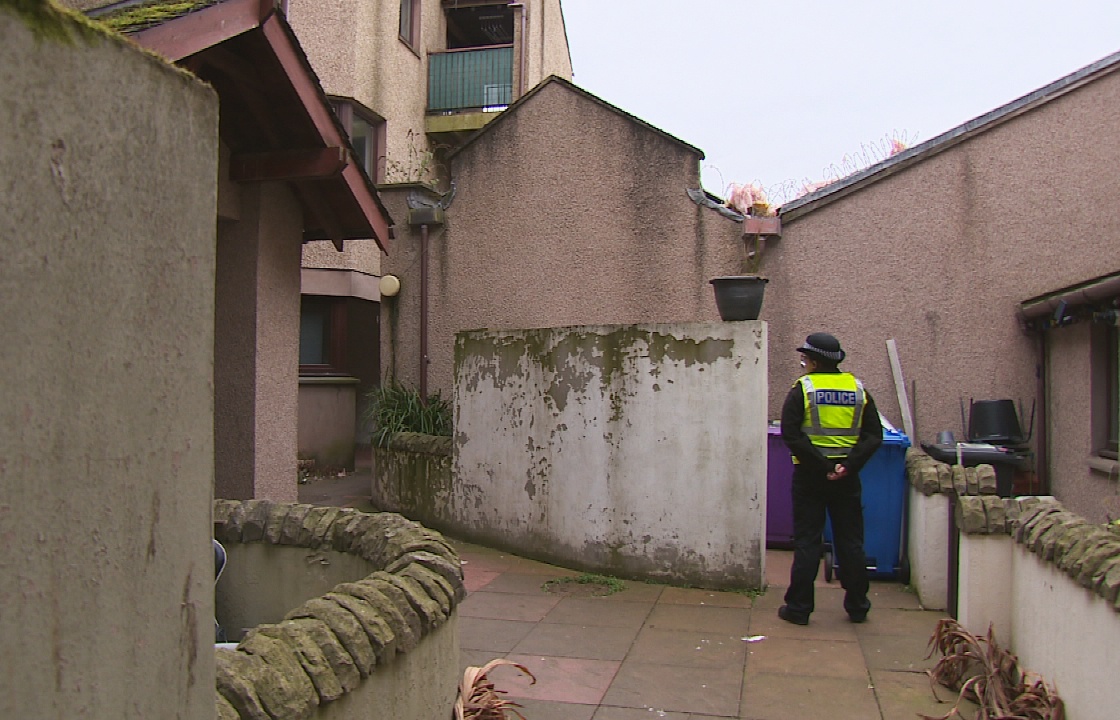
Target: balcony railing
point(473, 79)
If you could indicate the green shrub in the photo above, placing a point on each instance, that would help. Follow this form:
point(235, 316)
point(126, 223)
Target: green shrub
point(394, 408)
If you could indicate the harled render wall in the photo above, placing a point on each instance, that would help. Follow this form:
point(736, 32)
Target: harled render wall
point(566, 213)
point(256, 382)
point(548, 43)
point(940, 255)
point(108, 160)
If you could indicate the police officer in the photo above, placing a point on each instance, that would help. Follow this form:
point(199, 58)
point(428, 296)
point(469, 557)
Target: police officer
point(831, 425)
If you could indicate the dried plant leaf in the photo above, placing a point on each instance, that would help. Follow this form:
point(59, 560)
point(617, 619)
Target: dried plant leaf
point(480, 700)
point(981, 671)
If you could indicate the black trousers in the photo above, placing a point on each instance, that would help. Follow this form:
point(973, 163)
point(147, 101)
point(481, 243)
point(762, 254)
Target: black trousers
point(813, 496)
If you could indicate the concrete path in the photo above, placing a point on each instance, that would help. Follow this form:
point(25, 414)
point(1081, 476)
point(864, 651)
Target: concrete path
point(655, 651)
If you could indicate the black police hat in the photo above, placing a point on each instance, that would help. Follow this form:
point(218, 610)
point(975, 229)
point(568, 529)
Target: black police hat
point(823, 345)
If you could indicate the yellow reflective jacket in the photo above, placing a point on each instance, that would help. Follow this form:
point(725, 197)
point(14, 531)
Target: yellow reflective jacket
point(833, 411)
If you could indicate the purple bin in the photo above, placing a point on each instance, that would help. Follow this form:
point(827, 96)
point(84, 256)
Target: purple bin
point(779, 491)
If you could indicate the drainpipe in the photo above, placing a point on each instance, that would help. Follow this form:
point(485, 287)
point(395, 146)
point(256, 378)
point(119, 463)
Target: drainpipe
point(524, 11)
point(1043, 436)
point(423, 217)
point(424, 313)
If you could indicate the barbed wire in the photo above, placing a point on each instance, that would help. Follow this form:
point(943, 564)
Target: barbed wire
point(869, 153)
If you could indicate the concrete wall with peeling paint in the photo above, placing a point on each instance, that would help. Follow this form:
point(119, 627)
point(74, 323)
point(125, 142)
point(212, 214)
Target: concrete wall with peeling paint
point(637, 451)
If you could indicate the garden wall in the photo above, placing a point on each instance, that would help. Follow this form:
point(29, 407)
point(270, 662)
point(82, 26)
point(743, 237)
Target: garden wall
point(932, 486)
point(1048, 582)
point(413, 476)
point(638, 451)
point(381, 642)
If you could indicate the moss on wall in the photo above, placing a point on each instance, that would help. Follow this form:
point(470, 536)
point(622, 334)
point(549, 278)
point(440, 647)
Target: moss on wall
point(414, 476)
point(606, 355)
point(48, 21)
point(145, 15)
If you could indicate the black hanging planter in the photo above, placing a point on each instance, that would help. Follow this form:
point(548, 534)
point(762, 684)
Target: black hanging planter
point(739, 297)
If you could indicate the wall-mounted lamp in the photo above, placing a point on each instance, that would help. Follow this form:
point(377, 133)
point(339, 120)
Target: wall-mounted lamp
point(389, 285)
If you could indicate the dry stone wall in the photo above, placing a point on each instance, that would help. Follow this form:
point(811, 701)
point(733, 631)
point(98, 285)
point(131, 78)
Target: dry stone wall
point(930, 476)
point(327, 646)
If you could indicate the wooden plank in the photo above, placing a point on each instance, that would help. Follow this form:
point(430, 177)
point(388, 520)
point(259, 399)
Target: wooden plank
point(316, 163)
point(900, 390)
point(188, 34)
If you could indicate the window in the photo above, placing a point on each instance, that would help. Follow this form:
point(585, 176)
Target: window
point(1106, 383)
point(367, 134)
point(410, 23)
point(322, 335)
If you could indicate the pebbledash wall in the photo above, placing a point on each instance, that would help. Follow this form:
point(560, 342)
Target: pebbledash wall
point(1046, 580)
point(340, 614)
point(946, 240)
point(634, 450)
point(567, 211)
point(108, 158)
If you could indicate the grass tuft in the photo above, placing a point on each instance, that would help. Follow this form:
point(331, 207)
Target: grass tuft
point(610, 585)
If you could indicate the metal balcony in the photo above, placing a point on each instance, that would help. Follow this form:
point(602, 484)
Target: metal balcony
point(475, 79)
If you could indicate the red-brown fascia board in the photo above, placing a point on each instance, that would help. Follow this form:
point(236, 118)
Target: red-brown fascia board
point(192, 33)
point(313, 99)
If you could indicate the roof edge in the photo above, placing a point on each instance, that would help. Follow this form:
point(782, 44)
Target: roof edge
point(589, 95)
point(950, 138)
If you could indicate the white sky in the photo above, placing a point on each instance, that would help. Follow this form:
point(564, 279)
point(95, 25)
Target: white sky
point(785, 91)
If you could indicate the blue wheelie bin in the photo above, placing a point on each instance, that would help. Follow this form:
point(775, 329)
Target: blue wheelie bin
point(884, 511)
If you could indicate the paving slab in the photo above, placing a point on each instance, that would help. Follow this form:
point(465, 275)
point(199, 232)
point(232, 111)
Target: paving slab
point(518, 583)
point(607, 712)
point(475, 658)
point(577, 641)
point(476, 556)
point(902, 653)
point(822, 626)
point(559, 679)
point(475, 579)
point(598, 612)
point(707, 618)
point(631, 591)
point(903, 695)
point(771, 599)
point(907, 623)
point(807, 658)
point(672, 688)
point(778, 564)
point(524, 565)
point(887, 596)
point(708, 598)
point(690, 648)
point(551, 710)
point(507, 606)
point(498, 636)
point(769, 696)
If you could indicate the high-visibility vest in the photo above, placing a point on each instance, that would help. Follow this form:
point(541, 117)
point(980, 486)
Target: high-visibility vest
point(833, 411)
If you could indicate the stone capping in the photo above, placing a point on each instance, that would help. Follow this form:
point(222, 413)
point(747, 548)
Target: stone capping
point(1089, 553)
point(421, 443)
point(325, 647)
point(929, 476)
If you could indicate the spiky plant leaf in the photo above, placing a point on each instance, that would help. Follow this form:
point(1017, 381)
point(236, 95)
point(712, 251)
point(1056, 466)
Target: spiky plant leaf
point(478, 698)
point(980, 670)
